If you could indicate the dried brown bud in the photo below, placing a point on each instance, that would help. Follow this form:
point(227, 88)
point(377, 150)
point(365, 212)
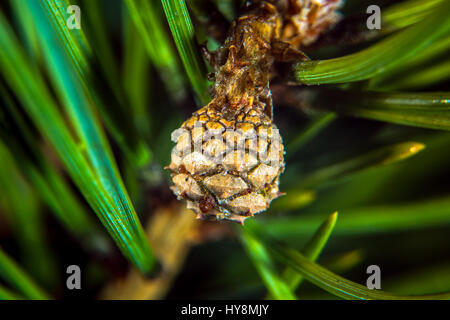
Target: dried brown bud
point(307, 19)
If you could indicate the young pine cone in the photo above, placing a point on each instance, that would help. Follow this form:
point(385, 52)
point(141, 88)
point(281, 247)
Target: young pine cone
point(227, 169)
point(229, 154)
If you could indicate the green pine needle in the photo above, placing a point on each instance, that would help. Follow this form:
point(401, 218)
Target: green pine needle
point(380, 57)
point(326, 279)
point(311, 250)
point(115, 113)
point(183, 32)
point(16, 277)
point(382, 156)
point(406, 13)
point(6, 294)
point(149, 24)
point(425, 110)
point(278, 288)
point(86, 156)
point(365, 220)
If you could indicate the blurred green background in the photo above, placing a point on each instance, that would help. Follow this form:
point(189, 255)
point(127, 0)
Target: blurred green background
point(85, 122)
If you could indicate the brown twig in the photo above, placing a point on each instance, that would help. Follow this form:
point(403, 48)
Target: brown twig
point(172, 231)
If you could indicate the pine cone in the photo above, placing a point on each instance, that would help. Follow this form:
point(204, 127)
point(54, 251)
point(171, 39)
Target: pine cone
point(229, 154)
point(227, 169)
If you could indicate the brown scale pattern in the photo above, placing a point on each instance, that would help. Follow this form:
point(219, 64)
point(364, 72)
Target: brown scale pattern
point(244, 182)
